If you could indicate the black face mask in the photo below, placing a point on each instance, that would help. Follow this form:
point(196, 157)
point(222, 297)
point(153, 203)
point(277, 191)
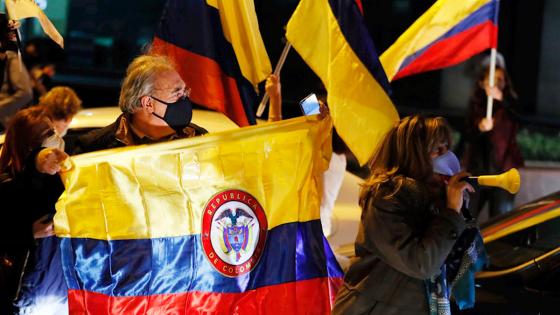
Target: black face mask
point(178, 115)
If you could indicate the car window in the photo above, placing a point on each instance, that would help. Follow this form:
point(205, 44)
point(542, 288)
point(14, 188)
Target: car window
point(525, 245)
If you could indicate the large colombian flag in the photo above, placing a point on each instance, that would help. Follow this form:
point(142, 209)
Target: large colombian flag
point(221, 224)
point(448, 33)
point(219, 53)
point(332, 38)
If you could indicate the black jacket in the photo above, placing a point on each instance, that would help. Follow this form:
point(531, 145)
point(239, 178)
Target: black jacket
point(25, 198)
point(403, 240)
point(118, 134)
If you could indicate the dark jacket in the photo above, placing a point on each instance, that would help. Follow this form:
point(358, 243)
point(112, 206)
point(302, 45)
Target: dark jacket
point(26, 197)
point(403, 240)
point(119, 134)
point(16, 90)
point(495, 151)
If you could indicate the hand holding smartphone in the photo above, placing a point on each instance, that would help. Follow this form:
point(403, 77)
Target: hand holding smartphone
point(310, 105)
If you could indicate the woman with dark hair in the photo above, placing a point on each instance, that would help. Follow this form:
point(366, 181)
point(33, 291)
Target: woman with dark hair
point(29, 161)
point(491, 144)
point(410, 222)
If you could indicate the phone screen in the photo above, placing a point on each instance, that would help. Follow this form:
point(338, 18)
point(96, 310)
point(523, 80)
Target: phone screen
point(310, 105)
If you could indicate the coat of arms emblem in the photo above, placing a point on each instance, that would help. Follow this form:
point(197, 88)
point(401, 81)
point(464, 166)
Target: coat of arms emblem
point(234, 230)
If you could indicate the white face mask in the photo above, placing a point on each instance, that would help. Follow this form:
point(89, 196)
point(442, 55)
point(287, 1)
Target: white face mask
point(55, 142)
point(63, 133)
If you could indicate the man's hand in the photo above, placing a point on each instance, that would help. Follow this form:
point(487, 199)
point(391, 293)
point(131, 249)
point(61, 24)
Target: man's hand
point(49, 161)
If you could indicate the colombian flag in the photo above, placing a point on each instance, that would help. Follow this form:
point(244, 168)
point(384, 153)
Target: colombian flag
point(332, 38)
point(219, 53)
point(221, 224)
point(448, 33)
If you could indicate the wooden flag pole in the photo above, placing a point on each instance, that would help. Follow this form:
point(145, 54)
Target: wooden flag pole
point(490, 99)
point(276, 72)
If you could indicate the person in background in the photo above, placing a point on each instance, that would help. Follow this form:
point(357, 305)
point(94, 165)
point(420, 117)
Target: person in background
point(155, 105)
point(30, 187)
point(16, 90)
point(42, 77)
point(409, 225)
point(60, 104)
point(490, 145)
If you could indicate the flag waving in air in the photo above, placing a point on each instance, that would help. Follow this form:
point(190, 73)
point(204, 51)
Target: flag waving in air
point(227, 223)
point(448, 33)
point(332, 38)
point(21, 9)
point(219, 53)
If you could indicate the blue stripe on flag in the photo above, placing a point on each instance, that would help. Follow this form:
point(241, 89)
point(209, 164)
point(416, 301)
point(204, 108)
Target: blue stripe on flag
point(293, 252)
point(482, 15)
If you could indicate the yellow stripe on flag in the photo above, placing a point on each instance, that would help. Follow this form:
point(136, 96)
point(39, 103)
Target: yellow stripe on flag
point(161, 190)
point(241, 29)
point(361, 110)
point(438, 20)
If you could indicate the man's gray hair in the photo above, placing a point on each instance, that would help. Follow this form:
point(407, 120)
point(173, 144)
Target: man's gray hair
point(140, 80)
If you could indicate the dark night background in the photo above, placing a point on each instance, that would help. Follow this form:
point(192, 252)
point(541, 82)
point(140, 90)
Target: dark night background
point(103, 36)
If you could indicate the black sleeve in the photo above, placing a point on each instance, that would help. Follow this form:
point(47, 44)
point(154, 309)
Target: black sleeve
point(416, 254)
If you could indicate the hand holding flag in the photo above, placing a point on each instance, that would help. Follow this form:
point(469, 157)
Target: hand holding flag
point(21, 9)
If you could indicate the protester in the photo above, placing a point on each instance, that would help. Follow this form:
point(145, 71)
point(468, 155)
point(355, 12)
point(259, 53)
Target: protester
point(15, 83)
point(490, 145)
point(42, 78)
point(61, 104)
point(29, 190)
point(409, 224)
point(155, 105)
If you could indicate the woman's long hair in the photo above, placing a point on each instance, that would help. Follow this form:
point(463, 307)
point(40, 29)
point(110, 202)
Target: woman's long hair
point(26, 131)
point(405, 152)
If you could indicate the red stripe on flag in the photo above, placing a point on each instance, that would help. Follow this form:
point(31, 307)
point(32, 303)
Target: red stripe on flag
point(359, 3)
point(453, 50)
point(301, 297)
point(209, 85)
point(495, 228)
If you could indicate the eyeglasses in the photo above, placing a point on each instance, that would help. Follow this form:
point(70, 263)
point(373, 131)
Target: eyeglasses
point(180, 98)
point(177, 93)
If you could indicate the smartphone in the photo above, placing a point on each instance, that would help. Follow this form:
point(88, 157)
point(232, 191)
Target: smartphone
point(310, 105)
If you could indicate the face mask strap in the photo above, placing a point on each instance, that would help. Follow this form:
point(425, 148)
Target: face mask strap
point(157, 99)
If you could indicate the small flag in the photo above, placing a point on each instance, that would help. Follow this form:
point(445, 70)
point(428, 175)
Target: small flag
point(448, 33)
